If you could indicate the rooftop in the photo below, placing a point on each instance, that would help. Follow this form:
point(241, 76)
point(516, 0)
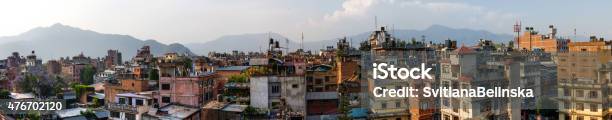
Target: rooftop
point(233, 68)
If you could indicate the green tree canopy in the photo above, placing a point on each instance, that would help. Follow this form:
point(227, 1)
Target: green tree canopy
point(154, 74)
point(87, 75)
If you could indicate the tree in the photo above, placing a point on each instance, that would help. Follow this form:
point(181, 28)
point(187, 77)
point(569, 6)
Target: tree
point(29, 83)
point(89, 114)
point(4, 94)
point(59, 85)
point(154, 74)
point(33, 115)
point(87, 75)
point(242, 78)
point(80, 89)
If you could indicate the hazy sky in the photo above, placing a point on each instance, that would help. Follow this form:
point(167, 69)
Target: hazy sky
point(189, 21)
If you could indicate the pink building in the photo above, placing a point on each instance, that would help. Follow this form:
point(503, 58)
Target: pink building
point(188, 90)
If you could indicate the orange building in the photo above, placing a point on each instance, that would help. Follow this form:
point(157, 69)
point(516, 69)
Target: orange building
point(125, 85)
point(531, 40)
point(591, 46)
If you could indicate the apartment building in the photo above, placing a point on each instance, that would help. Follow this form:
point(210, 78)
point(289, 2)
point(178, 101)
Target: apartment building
point(532, 40)
point(582, 84)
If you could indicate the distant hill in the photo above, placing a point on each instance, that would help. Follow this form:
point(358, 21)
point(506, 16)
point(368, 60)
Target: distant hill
point(61, 40)
point(435, 33)
point(243, 42)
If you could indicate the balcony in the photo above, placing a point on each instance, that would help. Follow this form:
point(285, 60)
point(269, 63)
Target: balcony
point(127, 108)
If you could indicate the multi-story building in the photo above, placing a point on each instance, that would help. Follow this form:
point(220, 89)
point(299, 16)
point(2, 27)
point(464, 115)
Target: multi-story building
point(593, 45)
point(112, 58)
point(321, 92)
point(54, 67)
point(532, 40)
point(179, 84)
point(582, 84)
point(384, 48)
point(129, 106)
point(275, 84)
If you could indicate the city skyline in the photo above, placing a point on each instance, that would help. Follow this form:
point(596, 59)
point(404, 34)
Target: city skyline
point(203, 21)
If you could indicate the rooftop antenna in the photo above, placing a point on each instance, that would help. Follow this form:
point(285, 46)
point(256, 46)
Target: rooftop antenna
point(287, 44)
point(575, 36)
point(375, 23)
point(302, 42)
point(517, 30)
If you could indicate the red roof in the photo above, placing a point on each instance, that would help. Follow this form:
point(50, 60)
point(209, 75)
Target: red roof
point(465, 78)
point(464, 50)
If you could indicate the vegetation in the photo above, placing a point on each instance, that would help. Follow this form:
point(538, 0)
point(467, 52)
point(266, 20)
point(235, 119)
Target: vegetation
point(154, 74)
point(87, 75)
point(59, 85)
point(33, 115)
point(80, 89)
point(29, 83)
point(4, 94)
point(242, 78)
point(89, 114)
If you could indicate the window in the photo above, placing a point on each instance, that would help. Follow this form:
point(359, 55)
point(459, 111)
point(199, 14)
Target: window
point(275, 89)
point(165, 86)
point(383, 105)
point(294, 86)
point(579, 93)
point(580, 118)
point(130, 116)
point(165, 99)
point(398, 104)
point(566, 105)
point(593, 94)
point(114, 114)
point(593, 107)
point(424, 106)
point(566, 92)
point(580, 106)
point(139, 102)
point(122, 101)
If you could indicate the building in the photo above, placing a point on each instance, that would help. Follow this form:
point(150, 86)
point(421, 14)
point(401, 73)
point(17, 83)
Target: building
point(532, 40)
point(112, 88)
point(112, 58)
point(321, 92)
point(382, 47)
point(129, 106)
point(582, 83)
point(593, 45)
point(54, 67)
point(188, 90)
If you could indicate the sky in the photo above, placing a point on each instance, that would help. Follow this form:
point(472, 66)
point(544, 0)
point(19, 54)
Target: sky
point(198, 21)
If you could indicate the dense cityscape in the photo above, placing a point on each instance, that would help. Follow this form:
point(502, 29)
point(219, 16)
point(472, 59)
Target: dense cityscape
point(571, 79)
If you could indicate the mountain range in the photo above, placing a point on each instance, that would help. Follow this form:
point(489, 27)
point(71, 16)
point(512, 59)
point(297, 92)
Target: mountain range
point(60, 40)
point(257, 42)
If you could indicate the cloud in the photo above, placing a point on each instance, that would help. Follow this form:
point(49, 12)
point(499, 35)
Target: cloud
point(350, 8)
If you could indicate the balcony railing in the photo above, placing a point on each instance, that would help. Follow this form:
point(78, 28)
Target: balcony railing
point(127, 108)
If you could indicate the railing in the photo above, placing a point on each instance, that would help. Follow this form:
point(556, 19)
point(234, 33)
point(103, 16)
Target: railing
point(127, 108)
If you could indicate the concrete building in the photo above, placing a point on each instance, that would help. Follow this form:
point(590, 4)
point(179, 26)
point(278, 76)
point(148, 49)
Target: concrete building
point(129, 106)
point(321, 96)
point(583, 79)
point(593, 45)
point(550, 42)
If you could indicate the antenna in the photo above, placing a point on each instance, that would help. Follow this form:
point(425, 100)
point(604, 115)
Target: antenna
point(375, 23)
point(302, 42)
point(517, 29)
